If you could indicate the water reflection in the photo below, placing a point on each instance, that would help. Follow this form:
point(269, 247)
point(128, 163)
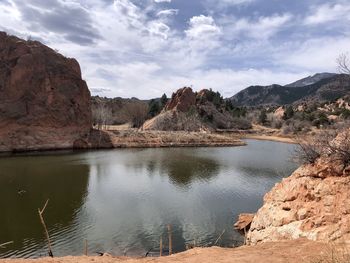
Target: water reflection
point(122, 200)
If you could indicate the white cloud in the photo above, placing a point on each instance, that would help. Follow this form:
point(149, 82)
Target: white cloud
point(329, 13)
point(202, 26)
point(221, 5)
point(262, 28)
point(234, 2)
point(143, 55)
point(316, 55)
point(168, 12)
point(159, 28)
point(162, 1)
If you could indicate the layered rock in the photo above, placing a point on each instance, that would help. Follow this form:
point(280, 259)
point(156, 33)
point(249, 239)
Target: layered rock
point(44, 103)
point(313, 203)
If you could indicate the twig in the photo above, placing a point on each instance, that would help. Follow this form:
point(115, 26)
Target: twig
point(170, 240)
point(45, 228)
point(219, 237)
point(161, 246)
point(3, 245)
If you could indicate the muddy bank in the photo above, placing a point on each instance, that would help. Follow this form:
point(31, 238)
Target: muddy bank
point(287, 251)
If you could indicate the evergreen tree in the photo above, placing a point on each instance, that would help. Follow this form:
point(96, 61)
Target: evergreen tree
point(289, 113)
point(263, 117)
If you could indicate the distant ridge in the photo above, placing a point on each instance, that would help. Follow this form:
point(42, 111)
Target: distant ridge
point(311, 80)
point(319, 87)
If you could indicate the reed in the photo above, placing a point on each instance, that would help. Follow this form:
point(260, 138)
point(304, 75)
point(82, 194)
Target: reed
point(45, 228)
point(161, 246)
point(170, 240)
point(217, 240)
point(3, 245)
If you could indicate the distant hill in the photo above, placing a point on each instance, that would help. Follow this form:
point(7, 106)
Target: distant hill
point(311, 80)
point(320, 87)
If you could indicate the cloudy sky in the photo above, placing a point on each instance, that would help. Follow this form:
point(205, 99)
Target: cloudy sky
point(143, 48)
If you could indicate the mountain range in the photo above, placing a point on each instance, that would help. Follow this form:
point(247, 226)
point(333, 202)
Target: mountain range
point(317, 88)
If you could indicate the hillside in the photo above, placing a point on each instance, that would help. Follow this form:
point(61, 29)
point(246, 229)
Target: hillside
point(323, 87)
point(197, 111)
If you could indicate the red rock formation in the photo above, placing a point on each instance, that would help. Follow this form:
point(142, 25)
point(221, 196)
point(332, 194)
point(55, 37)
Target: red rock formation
point(182, 100)
point(44, 103)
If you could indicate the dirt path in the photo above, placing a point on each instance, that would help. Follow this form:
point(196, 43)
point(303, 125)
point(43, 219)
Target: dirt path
point(297, 251)
point(269, 138)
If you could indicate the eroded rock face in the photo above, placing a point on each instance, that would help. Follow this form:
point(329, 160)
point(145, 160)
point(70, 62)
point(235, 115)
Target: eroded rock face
point(182, 100)
point(313, 203)
point(44, 103)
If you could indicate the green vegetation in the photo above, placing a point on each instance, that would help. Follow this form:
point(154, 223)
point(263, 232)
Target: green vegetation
point(289, 113)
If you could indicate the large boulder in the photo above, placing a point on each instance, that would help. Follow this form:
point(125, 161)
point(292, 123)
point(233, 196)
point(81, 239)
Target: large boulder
point(44, 103)
point(313, 203)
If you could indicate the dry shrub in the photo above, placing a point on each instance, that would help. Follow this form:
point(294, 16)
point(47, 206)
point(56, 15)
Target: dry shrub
point(325, 144)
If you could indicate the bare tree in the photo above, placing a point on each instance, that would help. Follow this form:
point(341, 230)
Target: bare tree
point(138, 113)
point(102, 116)
point(343, 62)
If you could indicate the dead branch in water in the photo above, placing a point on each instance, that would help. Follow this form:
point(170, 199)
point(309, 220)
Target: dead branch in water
point(45, 228)
point(160, 246)
point(170, 240)
point(3, 245)
point(217, 240)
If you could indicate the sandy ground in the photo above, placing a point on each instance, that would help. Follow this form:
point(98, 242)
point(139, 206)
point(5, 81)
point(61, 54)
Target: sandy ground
point(297, 251)
point(269, 138)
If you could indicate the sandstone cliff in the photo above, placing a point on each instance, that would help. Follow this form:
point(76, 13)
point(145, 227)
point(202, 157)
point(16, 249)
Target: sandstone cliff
point(44, 103)
point(313, 203)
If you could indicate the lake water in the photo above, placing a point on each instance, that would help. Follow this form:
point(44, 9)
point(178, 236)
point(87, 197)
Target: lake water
point(121, 201)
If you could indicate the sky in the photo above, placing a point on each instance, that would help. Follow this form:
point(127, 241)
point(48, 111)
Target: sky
point(144, 48)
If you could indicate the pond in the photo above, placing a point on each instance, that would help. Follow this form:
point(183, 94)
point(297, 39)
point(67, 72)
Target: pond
point(121, 201)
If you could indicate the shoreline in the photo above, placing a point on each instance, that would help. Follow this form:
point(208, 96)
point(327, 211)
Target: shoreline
point(135, 139)
point(295, 251)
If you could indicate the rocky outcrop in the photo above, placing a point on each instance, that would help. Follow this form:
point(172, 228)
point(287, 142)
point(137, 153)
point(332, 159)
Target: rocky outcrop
point(44, 103)
point(182, 100)
point(313, 203)
point(194, 111)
